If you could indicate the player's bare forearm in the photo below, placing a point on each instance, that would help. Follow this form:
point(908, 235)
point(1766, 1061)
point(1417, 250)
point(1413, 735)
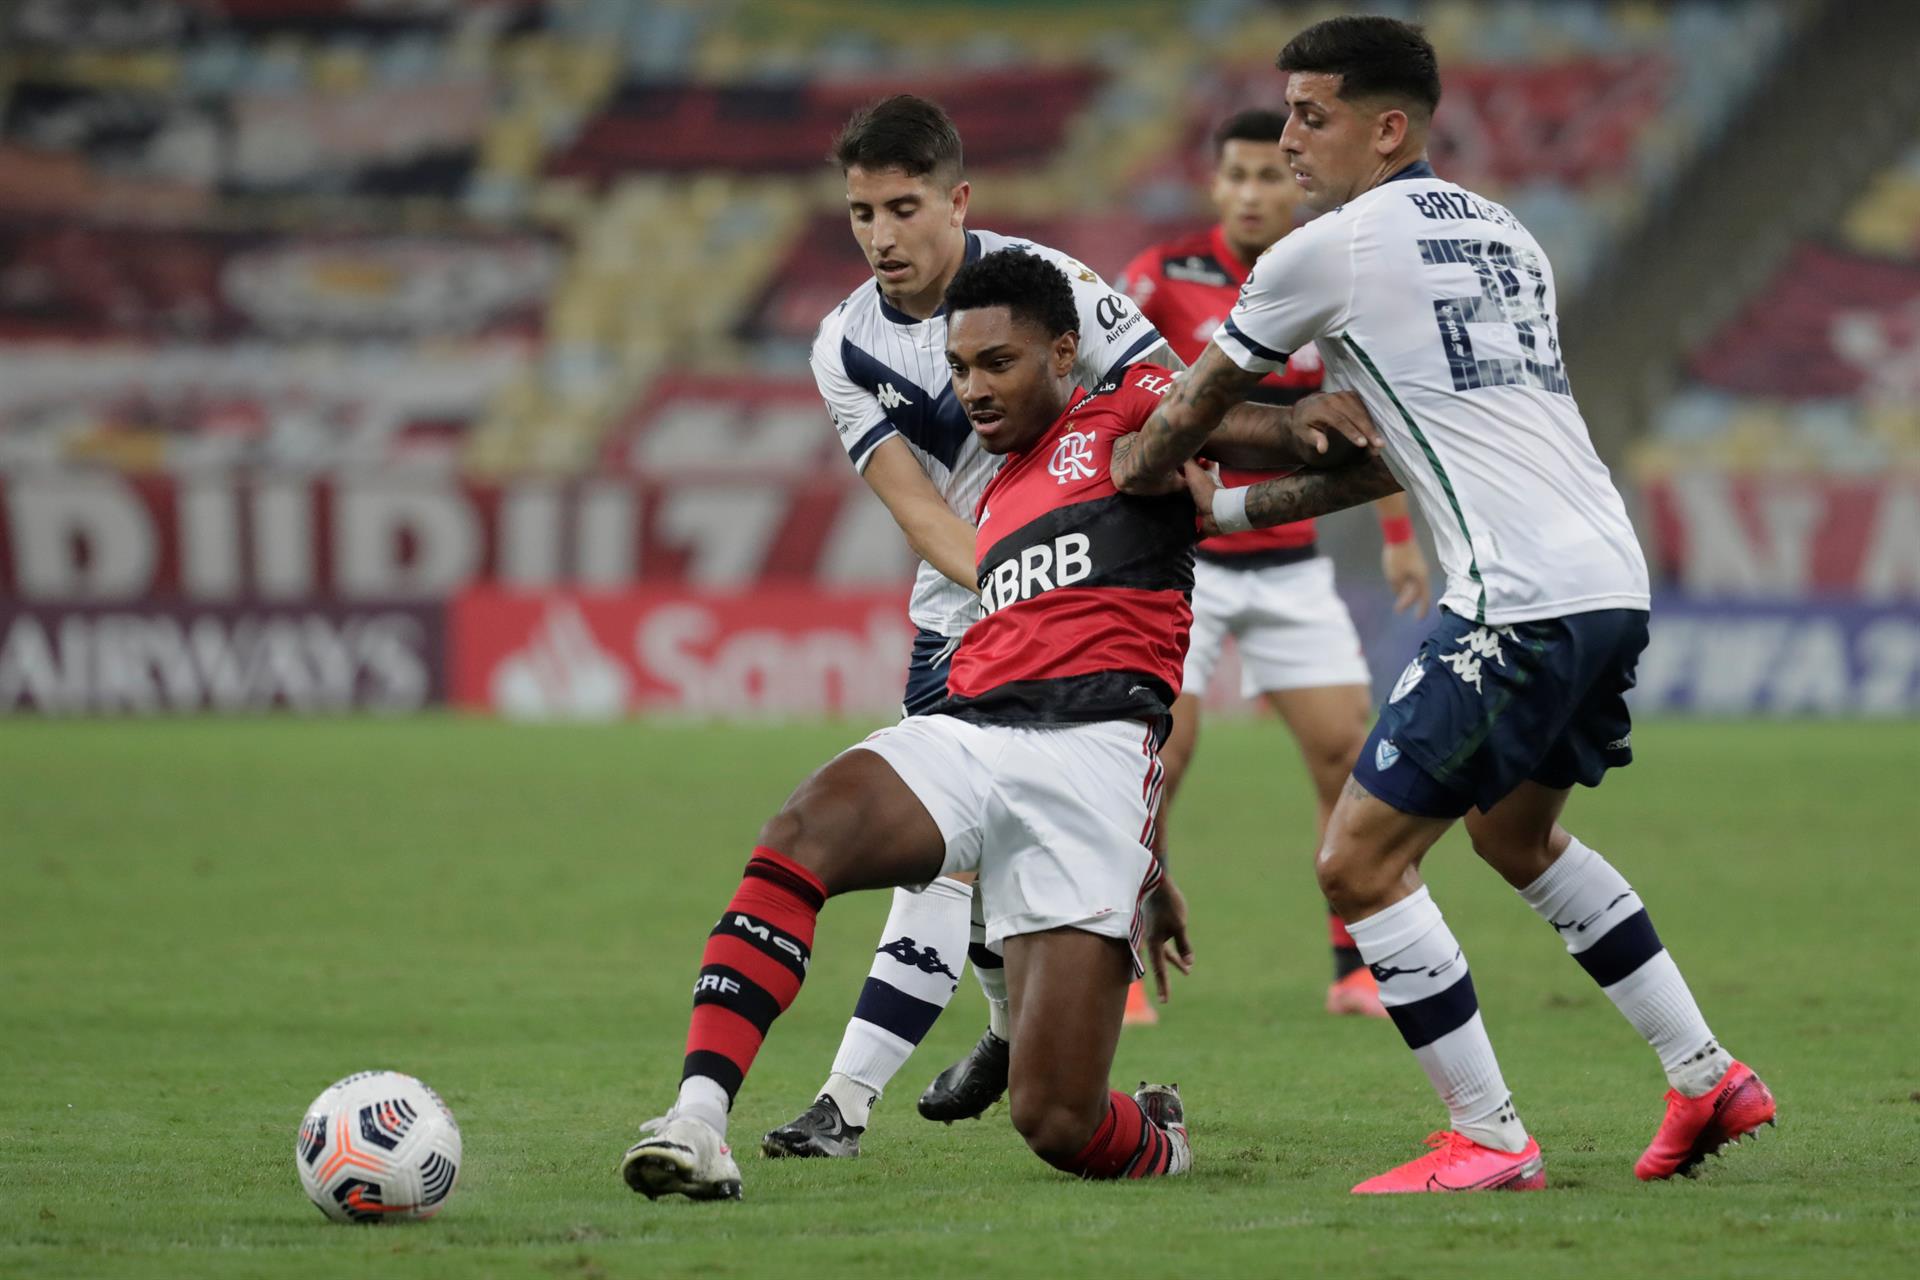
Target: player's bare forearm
point(1182, 423)
point(1255, 437)
point(1301, 496)
point(946, 542)
point(935, 533)
point(1327, 429)
point(1310, 494)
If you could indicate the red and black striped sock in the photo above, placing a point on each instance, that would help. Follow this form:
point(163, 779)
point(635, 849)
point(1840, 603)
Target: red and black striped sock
point(752, 968)
point(1126, 1145)
point(1346, 955)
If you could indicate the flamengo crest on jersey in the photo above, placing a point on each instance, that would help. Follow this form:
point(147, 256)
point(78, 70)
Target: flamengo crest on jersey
point(1438, 307)
point(884, 374)
point(1086, 589)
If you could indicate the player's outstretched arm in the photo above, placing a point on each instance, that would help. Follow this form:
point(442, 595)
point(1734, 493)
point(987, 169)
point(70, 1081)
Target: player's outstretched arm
point(1182, 423)
point(1303, 496)
point(1326, 429)
point(936, 535)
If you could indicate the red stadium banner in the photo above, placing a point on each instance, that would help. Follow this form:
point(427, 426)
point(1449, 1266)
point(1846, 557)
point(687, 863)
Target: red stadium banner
point(94, 536)
point(1780, 536)
point(792, 651)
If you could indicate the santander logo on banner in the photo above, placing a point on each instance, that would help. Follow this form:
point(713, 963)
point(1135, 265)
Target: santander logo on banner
point(775, 652)
point(561, 673)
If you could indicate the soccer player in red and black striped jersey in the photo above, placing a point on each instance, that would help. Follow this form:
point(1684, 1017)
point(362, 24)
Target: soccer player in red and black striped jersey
point(1270, 589)
point(1039, 773)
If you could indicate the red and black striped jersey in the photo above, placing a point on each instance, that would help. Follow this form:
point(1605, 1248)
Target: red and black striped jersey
point(1087, 591)
point(1186, 287)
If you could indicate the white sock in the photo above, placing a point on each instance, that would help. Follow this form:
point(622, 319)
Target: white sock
point(703, 1098)
point(854, 1099)
point(1425, 985)
point(990, 969)
point(916, 969)
point(1607, 930)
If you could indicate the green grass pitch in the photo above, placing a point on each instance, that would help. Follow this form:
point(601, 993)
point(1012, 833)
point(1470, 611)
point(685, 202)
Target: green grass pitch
point(205, 923)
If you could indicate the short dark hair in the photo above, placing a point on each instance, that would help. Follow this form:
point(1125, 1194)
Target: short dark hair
point(904, 132)
point(1255, 124)
point(1372, 55)
point(1024, 283)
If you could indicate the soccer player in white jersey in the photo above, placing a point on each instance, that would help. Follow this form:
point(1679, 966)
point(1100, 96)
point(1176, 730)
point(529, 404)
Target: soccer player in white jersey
point(1438, 307)
point(881, 365)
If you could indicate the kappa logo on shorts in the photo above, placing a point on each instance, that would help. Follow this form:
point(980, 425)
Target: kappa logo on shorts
point(1385, 755)
point(1415, 672)
point(1072, 457)
point(1476, 646)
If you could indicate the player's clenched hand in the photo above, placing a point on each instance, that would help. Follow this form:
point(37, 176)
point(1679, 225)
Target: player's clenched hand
point(1202, 485)
point(1126, 476)
point(1323, 420)
point(1166, 934)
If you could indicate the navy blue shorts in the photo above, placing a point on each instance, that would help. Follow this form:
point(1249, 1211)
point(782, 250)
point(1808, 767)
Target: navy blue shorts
point(927, 672)
point(1481, 709)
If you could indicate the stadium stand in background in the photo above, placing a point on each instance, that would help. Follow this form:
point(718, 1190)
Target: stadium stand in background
point(321, 210)
point(339, 300)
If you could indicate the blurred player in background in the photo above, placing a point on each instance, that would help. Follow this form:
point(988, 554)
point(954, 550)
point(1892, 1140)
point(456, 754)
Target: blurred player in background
point(1439, 307)
point(1038, 772)
point(1270, 589)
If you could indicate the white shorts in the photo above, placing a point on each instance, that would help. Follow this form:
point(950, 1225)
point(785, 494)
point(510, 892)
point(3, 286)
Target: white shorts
point(1055, 819)
point(1291, 627)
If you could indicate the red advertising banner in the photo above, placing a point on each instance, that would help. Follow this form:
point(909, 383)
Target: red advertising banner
point(1778, 536)
point(77, 536)
point(156, 658)
point(775, 652)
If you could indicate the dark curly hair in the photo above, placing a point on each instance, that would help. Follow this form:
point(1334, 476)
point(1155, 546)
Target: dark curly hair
point(1372, 55)
point(1024, 283)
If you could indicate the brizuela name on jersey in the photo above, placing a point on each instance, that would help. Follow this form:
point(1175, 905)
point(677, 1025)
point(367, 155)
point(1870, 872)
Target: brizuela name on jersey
point(1087, 590)
point(883, 374)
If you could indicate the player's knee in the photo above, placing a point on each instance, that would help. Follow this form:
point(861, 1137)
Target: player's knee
point(791, 834)
point(1351, 881)
point(1056, 1129)
point(1330, 762)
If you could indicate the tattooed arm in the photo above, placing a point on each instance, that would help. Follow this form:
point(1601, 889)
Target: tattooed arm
point(1329, 429)
point(1182, 423)
point(1302, 496)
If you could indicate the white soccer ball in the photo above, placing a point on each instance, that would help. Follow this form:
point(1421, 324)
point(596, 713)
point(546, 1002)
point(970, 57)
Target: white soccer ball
point(378, 1146)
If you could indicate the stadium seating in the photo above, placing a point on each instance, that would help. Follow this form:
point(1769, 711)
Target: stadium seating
point(1820, 369)
point(576, 197)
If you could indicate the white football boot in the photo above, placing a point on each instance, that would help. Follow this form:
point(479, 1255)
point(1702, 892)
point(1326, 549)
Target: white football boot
point(1162, 1105)
point(685, 1156)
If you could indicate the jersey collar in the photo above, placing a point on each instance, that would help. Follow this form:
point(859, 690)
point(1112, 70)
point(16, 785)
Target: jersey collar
point(1224, 255)
point(1418, 169)
point(898, 316)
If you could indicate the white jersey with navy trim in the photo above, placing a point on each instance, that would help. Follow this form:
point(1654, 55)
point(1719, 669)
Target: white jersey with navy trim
point(1438, 308)
point(884, 374)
